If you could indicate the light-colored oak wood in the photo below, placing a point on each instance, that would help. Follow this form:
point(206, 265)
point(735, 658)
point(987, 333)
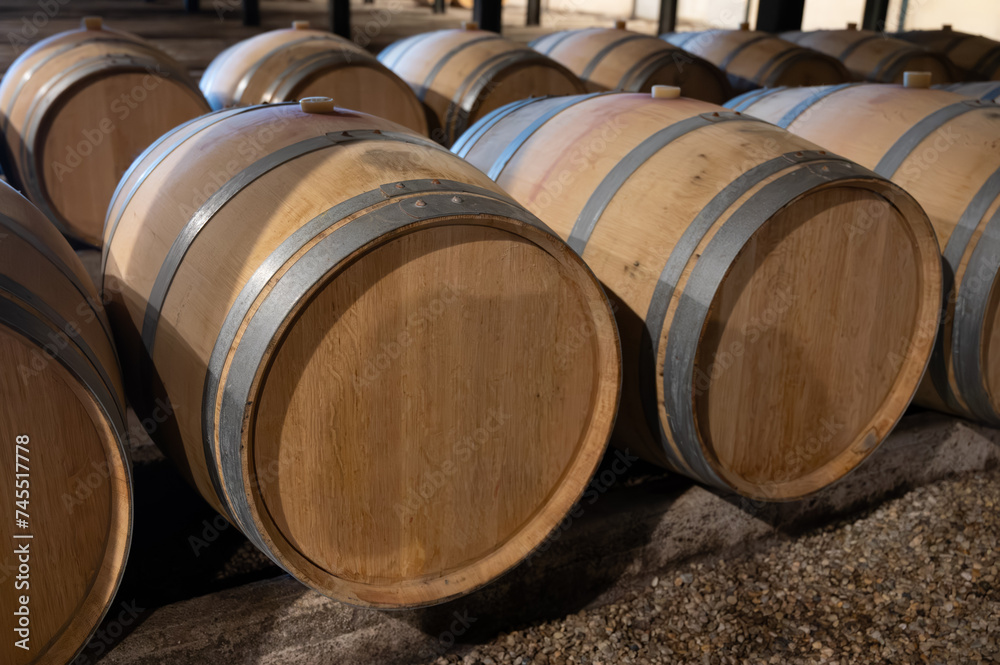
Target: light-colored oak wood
point(978, 56)
point(288, 65)
point(462, 75)
point(617, 59)
point(61, 389)
point(985, 90)
point(874, 56)
point(813, 338)
point(429, 408)
point(758, 59)
point(76, 109)
point(953, 170)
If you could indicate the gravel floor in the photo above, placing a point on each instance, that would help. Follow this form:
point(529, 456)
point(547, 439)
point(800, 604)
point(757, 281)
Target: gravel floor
point(914, 581)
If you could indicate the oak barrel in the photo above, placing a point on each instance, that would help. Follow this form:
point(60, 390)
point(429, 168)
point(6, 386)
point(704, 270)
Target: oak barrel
point(754, 59)
point(874, 56)
point(940, 147)
point(67, 513)
point(618, 59)
point(462, 75)
point(988, 91)
point(77, 108)
point(390, 376)
point(978, 55)
point(287, 65)
point(766, 350)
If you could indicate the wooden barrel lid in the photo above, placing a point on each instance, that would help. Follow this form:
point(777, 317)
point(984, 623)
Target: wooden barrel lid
point(420, 430)
point(792, 388)
point(72, 548)
point(91, 134)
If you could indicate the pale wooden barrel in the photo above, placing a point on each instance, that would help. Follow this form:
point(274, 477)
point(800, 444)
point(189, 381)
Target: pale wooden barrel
point(978, 55)
point(872, 56)
point(941, 148)
point(617, 59)
point(77, 108)
point(462, 75)
point(62, 419)
point(759, 338)
point(287, 65)
point(390, 376)
point(988, 91)
point(758, 59)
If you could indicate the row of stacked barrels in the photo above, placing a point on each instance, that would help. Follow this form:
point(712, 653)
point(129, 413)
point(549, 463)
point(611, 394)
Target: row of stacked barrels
point(280, 273)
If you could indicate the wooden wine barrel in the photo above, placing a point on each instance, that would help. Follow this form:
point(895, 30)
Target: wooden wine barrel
point(77, 108)
point(941, 148)
point(758, 337)
point(287, 65)
point(65, 460)
point(389, 375)
point(988, 91)
point(617, 59)
point(872, 56)
point(978, 55)
point(462, 75)
point(758, 59)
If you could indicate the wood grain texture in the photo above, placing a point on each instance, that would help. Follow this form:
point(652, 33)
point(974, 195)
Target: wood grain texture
point(613, 59)
point(288, 65)
point(76, 109)
point(756, 59)
point(814, 338)
point(462, 75)
point(985, 90)
point(874, 56)
point(427, 409)
point(952, 172)
point(977, 56)
point(77, 489)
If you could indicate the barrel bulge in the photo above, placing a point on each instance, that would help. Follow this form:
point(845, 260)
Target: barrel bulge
point(391, 377)
point(777, 303)
point(873, 56)
point(68, 518)
point(463, 75)
point(758, 59)
point(977, 56)
point(940, 147)
point(76, 109)
point(292, 64)
point(616, 59)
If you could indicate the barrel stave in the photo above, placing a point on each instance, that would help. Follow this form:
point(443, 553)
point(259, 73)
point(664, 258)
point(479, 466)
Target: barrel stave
point(650, 255)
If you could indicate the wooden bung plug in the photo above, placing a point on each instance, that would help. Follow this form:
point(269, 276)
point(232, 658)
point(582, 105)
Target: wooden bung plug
point(300, 25)
point(316, 105)
point(92, 23)
point(666, 92)
point(916, 79)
